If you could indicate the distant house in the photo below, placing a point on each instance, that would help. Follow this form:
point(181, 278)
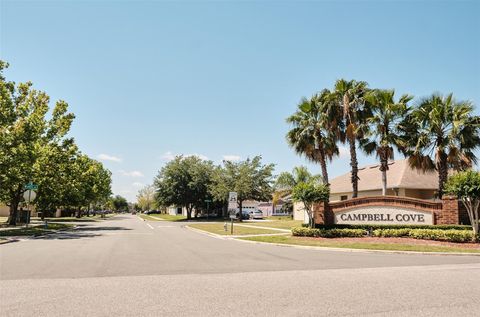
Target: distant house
point(177, 211)
point(4, 211)
point(268, 209)
point(402, 180)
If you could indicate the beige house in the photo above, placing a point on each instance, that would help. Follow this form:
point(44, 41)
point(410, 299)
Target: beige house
point(4, 211)
point(401, 181)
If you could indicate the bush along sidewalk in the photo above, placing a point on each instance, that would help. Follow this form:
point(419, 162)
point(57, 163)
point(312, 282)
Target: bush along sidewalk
point(451, 235)
point(373, 227)
point(428, 234)
point(328, 233)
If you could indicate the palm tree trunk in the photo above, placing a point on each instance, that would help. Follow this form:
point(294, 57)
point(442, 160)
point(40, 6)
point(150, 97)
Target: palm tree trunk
point(383, 169)
point(354, 165)
point(323, 164)
point(442, 173)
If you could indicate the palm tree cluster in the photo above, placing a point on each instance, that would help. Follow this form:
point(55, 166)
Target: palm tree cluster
point(436, 133)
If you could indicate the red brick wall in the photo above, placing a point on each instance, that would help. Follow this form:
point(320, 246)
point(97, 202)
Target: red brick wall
point(449, 215)
point(450, 211)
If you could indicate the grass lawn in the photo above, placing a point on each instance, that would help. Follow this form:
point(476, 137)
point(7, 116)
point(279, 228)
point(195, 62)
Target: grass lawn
point(33, 230)
point(163, 217)
point(360, 245)
point(280, 224)
point(75, 219)
point(218, 228)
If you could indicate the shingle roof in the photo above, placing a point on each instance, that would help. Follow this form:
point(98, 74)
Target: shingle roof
point(399, 175)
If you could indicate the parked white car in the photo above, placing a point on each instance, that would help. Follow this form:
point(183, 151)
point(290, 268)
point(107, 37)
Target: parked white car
point(257, 214)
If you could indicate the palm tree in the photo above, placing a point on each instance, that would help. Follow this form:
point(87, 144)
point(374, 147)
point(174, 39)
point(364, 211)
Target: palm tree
point(316, 128)
point(384, 125)
point(349, 96)
point(441, 133)
point(286, 180)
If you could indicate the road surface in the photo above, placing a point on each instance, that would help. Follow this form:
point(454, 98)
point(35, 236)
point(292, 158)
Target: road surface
point(128, 267)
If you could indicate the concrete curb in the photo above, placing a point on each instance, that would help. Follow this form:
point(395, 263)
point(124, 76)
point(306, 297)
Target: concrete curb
point(219, 236)
point(213, 235)
point(306, 247)
point(8, 240)
point(266, 228)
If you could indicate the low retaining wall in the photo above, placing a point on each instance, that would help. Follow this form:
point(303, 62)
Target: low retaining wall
point(391, 210)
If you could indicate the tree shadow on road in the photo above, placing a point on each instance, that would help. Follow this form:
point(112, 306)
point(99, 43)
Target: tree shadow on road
point(79, 232)
point(96, 228)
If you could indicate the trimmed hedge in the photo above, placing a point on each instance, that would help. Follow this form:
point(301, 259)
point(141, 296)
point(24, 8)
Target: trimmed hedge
point(328, 233)
point(451, 235)
point(428, 234)
point(403, 232)
point(374, 227)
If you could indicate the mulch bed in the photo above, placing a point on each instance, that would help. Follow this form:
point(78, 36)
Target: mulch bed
point(398, 241)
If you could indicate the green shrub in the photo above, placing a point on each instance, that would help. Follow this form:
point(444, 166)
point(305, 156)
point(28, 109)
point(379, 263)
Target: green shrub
point(402, 232)
point(305, 232)
point(374, 227)
point(427, 234)
point(443, 235)
point(328, 233)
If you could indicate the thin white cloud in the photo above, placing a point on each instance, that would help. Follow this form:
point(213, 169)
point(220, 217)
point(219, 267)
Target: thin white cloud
point(131, 173)
point(106, 157)
point(232, 158)
point(138, 184)
point(168, 156)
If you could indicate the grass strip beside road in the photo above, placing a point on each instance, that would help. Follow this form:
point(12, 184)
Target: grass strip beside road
point(75, 219)
point(290, 240)
point(34, 230)
point(279, 224)
point(218, 228)
point(154, 217)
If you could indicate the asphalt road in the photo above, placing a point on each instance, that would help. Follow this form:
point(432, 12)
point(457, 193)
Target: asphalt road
point(129, 267)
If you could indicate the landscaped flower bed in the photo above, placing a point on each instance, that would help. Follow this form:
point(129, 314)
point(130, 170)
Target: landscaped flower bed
point(328, 233)
point(449, 235)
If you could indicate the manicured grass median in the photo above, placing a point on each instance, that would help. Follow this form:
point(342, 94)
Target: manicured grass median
point(154, 217)
point(218, 228)
point(280, 224)
point(360, 245)
point(34, 230)
point(75, 219)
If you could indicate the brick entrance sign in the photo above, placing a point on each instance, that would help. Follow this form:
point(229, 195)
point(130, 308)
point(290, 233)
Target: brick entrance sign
point(391, 210)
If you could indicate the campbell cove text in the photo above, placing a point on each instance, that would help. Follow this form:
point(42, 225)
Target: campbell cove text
point(383, 217)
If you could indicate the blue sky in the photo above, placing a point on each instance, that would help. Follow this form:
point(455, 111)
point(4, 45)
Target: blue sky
point(149, 80)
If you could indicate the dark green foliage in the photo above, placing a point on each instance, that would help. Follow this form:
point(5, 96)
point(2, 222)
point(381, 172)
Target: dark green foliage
point(328, 233)
point(373, 227)
point(466, 186)
point(184, 182)
point(450, 235)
